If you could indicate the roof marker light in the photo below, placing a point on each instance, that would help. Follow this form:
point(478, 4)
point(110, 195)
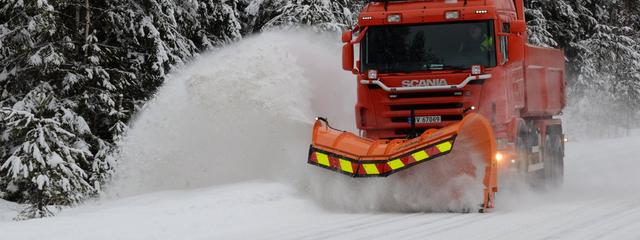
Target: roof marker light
point(452, 14)
point(482, 11)
point(395, 18)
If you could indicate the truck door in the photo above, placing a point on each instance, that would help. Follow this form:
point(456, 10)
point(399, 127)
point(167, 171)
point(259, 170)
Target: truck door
point(511, 50)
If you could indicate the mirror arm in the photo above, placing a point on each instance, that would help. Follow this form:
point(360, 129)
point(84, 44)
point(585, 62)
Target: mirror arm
point(360, 35)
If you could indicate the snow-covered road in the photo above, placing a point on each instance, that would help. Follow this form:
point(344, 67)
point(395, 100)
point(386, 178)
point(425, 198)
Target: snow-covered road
point(600, 200)
point(220, 154)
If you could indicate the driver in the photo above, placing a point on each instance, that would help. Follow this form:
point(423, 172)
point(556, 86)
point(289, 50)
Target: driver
point(476, 41)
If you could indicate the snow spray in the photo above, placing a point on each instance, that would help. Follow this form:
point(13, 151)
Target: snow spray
point(245, 112)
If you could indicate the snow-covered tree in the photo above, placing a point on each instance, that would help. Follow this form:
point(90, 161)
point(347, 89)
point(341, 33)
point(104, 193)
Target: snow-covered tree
point(538, 28)
point(316, 13)
point(346, 11)
point(29, 52)
point(601, 41)
point(322, 15)
point(97, 61)
point(219, 23)
point(257, 13)
point(49, 157)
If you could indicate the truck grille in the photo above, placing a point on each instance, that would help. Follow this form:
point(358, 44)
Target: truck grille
point(405, 132)
point(425, 106)
point(447, 104)
point(425, 95)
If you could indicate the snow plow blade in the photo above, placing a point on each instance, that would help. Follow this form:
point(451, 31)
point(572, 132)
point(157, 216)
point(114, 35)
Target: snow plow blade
point(349, 154)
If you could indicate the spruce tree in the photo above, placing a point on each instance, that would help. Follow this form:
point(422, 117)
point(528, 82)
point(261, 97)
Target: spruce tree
point(321, 15)
point(72, 74)
point(600, 40)
point(255, 14)
point(49, 162)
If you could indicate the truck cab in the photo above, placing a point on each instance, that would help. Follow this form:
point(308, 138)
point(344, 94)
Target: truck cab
point(427, 64)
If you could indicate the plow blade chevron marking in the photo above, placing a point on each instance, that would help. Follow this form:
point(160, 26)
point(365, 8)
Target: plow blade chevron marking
point(349, 154)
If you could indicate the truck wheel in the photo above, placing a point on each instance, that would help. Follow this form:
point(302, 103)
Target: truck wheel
point(553, 161)
point(522, 147)
point(537, 177)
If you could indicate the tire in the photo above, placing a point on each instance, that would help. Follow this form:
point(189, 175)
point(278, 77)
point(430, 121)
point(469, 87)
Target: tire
point(540, 179)
point(553, 161)
point(537, 179)
point(522, 148)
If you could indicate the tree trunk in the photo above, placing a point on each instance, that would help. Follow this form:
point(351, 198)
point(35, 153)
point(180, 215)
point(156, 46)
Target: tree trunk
point(87, 26)
point(76, 33)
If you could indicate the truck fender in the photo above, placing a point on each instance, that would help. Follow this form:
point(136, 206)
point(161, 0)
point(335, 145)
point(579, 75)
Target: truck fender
point(516, 126)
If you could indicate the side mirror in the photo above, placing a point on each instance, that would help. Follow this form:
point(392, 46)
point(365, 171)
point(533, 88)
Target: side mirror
point(516, 47)
point(347, 36)
point(347, 57)
point(518, 26)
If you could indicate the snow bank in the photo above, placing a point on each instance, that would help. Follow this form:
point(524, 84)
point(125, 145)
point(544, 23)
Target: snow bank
point(8, 210)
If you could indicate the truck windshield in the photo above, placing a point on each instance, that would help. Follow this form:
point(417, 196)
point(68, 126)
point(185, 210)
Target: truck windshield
point(442, 46)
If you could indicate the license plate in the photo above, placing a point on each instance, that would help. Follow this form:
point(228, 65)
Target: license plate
point(428, 119)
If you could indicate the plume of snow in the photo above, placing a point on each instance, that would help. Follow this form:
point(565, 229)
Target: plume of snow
point(245, 112)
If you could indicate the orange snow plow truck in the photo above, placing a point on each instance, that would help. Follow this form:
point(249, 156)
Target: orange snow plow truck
point(449, 77)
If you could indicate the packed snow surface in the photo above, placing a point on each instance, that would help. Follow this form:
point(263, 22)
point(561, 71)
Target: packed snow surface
point(221, 154)
point(600, 200)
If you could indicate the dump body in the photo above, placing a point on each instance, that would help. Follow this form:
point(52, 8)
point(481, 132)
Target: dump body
point(543, 92)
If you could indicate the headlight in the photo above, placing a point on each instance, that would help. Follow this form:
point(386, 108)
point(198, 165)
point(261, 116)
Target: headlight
point(476, 69)
point(372, 74)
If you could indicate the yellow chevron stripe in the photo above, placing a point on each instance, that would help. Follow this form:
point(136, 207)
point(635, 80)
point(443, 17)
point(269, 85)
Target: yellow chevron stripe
point(323, 159)
point(395, 164)
point(444, 147)
point(346, 166)
point(419, 156)
point(370, 169)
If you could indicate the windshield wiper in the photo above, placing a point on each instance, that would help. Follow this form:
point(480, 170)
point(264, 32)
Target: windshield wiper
point(424, 68)
point(436, 66)
point(456, 67)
